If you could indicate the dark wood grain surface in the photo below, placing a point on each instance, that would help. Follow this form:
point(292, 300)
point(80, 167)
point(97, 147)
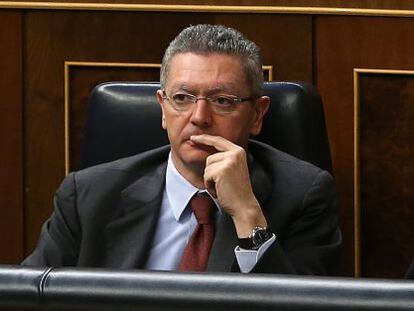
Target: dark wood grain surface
point(11, 138)
point(386, 156)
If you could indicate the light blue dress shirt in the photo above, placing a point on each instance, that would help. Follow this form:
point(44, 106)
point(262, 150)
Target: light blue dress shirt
point(177, 222)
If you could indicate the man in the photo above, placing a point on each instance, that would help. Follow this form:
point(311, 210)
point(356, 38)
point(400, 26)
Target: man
point(268, 212)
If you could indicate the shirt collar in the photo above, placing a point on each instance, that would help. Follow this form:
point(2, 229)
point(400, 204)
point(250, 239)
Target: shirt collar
point(180, 191)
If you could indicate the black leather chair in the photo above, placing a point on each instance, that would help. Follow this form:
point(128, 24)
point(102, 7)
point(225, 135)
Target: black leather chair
point(125, 119)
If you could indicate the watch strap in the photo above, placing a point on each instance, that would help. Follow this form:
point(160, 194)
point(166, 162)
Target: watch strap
point(256, 239)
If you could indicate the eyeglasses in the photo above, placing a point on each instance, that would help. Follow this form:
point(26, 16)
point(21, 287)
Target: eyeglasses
point(221, 103)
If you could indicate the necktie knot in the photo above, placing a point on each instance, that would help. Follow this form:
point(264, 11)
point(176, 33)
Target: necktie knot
point(203, 207)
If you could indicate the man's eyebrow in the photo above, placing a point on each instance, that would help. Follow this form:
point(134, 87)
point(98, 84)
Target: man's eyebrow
point(222, 88)
point(181, 87)
point(228, 87)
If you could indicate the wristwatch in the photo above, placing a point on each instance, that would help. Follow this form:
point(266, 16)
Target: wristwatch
point(256, 239)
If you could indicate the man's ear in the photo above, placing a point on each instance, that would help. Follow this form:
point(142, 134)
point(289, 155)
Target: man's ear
point(261, 107)
point(161, 102)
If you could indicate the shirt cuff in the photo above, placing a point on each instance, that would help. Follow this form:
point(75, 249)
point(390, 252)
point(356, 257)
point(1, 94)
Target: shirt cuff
point(247, 258)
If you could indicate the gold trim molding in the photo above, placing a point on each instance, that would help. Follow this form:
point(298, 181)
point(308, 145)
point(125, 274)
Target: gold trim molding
point(357, 194)
point(204, 8)
point(68, 65)
point(269, 69)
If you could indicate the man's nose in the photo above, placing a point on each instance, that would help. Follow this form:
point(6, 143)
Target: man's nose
point(201, 113)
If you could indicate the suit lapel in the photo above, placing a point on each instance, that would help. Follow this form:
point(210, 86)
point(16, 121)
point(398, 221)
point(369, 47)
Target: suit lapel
point(222, 255)
point(260, 181)
point(129, 237)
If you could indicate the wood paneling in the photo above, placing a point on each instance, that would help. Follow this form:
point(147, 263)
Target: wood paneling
point(53, 37)
point(11, 186)
point(342, 44)
point(386, 162)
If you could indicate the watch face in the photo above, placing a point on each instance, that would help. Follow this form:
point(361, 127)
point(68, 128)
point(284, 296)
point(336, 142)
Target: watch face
point(259, 236)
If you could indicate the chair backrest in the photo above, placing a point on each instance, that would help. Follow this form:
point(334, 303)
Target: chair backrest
point(125, 119)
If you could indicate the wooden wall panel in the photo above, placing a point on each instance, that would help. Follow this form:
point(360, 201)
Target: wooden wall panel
point(53, 37)
point(342, 44)
point(386, 172)
point(11, 182)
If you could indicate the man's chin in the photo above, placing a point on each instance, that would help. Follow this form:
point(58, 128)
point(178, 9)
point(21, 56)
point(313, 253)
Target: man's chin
point(196, 157)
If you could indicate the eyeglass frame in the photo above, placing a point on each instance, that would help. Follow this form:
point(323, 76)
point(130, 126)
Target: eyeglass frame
point(236, 100)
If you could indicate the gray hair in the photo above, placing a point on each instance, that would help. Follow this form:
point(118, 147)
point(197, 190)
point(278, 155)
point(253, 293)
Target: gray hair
point(206, 39)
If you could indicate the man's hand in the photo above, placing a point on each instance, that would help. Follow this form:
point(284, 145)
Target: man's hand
point(226, 176)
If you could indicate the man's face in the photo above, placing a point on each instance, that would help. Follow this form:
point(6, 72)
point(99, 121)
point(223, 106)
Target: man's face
point(207, 75)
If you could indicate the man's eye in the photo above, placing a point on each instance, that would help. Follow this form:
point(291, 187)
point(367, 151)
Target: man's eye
point(224, 101)
point(182, 98)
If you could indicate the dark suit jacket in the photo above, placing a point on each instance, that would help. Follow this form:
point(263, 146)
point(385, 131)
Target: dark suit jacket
point(105, 216)
point(410, 272)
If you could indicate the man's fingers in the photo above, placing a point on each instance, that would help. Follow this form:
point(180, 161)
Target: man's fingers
point(220, 143)
point(209, 182)
point(211, 188)
point(216, 157)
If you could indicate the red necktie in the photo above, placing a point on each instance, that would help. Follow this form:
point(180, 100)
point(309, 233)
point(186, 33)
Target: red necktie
point(196, 253)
